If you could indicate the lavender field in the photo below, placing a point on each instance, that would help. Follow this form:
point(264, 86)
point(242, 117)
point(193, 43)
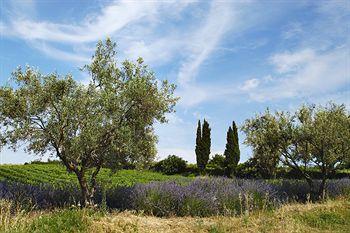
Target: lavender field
point(174, 116)
point(198, 197)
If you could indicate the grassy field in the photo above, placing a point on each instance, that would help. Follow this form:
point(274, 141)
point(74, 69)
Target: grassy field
point(57, 175)
point(331, 216)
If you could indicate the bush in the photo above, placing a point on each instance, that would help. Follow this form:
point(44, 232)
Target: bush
point(216, 166)
point(248, 170)
point(171, 165)
point(191, 170)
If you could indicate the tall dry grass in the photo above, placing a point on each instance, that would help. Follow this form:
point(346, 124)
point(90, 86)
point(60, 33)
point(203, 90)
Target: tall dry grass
point(331, 216)
point(12, 217)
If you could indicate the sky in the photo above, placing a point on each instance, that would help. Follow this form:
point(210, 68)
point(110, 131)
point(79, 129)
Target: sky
point(230, 60)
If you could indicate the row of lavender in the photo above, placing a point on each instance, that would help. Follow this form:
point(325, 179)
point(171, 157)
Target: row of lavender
point(201, 197)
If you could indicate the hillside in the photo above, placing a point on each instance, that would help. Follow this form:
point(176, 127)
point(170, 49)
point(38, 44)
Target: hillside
point(57, 175)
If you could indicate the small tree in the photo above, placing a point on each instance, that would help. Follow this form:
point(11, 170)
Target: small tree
point(310, 137)
point(106, 123)
point(232, 152)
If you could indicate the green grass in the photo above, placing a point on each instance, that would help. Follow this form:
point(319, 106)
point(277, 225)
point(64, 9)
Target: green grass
point(330, 216)
point(61, 221)
point(57, 175)
point(329, 220)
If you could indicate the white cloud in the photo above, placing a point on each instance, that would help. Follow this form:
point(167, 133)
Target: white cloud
point(157, 52)
point(320, 63)
point(292, 61)
point(131, 22)
point(250, 84)
point(306, 73)
point(204, 41)
point(111, 19)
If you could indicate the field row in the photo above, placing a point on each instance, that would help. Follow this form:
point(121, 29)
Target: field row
point(57, 175)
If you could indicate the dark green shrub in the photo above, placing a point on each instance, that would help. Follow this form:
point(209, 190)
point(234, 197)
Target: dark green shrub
point(248, 170)
point(192, 170)
point(216, 166)
point(218, 161)
point(171, 165)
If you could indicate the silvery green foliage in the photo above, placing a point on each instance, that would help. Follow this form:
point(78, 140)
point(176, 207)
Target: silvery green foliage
point(309, 137)
point(108, 122)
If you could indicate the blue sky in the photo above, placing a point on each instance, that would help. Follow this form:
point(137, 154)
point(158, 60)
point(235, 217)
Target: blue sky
point(229, 59)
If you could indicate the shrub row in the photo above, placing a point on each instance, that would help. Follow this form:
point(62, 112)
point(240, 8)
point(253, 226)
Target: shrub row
point(247, 170)
point(201, 197)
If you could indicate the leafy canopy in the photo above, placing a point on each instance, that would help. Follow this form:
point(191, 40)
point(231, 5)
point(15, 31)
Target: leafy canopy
point(105, 123)
point(312, 136)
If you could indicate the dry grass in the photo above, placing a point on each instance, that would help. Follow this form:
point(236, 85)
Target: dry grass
point(331, 216)
point(12, 218)
point(289, 218)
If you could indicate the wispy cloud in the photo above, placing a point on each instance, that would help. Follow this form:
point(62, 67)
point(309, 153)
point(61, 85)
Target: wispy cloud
point(250, 84)
point(204, 41)
point(156, 52)
point(318, 63)
point(114, 20)
point(305, 73)
point(111, 19)
point(59, 54)
point(287, 62)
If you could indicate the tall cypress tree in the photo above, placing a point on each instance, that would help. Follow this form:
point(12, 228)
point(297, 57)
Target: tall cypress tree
point(205, 145)
point(232, 152)
point(229, 154)
point(237, 152)
point(198, 144)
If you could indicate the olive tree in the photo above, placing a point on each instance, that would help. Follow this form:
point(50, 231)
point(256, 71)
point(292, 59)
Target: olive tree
point(261, 135)
point(312, 136)
point(107, 123)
